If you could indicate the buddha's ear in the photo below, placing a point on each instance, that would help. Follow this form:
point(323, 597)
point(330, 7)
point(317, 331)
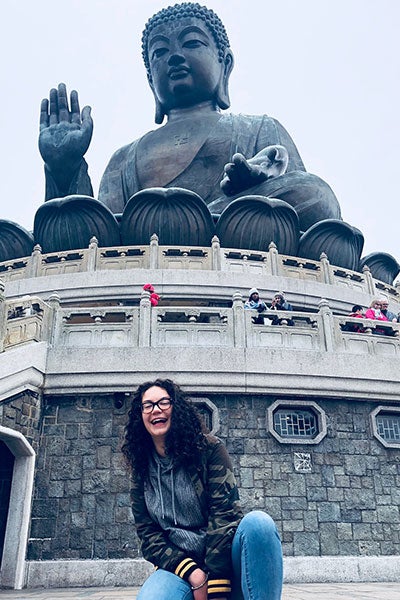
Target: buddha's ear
point(223, 100)
point(160, 114)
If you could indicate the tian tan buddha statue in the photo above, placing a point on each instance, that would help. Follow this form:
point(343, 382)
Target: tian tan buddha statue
point(203, 171)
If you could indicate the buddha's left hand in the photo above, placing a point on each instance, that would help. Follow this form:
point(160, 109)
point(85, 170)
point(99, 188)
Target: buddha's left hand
point(241, 174)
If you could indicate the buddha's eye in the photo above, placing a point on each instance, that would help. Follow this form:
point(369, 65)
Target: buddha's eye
point(193, 43)
point(159, 52)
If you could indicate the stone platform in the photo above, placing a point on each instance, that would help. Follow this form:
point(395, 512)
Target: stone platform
point(311, 591)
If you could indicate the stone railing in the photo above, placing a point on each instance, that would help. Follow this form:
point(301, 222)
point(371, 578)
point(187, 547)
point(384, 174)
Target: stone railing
point(213, 258)
point(32, 320)
point(28, 319)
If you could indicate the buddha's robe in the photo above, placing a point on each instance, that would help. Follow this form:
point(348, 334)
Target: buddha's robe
point(205, 170)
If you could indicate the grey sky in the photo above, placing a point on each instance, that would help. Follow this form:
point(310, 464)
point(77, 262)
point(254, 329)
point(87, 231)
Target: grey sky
point(328, 70)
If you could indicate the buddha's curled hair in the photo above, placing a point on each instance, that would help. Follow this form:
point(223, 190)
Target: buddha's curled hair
point(180, 11)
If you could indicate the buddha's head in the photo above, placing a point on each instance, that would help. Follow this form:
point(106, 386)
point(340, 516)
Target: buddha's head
point(187, 57)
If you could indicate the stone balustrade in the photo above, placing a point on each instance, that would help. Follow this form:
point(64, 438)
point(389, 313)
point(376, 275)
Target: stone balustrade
point(213, 258)
point(30, 319)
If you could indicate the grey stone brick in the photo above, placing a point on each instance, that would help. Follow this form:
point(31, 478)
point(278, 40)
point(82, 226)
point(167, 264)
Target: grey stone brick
point(388, 514)
point(246, 478)
point(311, 521)
point(369, 516)
point(329, 539)
point(361, 531)
point(103, 457)
point(305, 544)
point(294, 503)
point(369, 548)
point(317, 494)
point(293, 525)
point(355, 465)
point(328, 511)
point(359, 498)
point(344, 531)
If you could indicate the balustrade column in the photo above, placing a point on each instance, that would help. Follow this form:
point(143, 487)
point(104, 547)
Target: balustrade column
point(53, 318)
point(215, 254)
point(3, 315)
point(369, 280)
point(34, 264)
point(154, 250)
point(239, 330)
point(274, 259)
point(326, 269)
point(92, 254)
point(144, 320)
point(328, 325)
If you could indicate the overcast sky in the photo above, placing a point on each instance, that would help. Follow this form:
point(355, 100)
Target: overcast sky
point(328, 70)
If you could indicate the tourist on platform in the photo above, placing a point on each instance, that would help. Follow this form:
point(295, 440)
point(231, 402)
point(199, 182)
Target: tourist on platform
point(279, 303)
point(154, 298)
point(374, 312)
point(385, 310)
point(186, 507)
point(357, 312)
point(254, 303)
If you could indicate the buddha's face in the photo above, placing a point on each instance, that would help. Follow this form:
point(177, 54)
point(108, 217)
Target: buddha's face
point(184, 63)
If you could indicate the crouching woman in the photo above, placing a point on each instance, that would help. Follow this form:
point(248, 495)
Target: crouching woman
point(186, 507)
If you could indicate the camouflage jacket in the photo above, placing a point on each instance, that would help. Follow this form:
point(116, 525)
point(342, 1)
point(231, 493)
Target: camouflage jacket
point(216, 488)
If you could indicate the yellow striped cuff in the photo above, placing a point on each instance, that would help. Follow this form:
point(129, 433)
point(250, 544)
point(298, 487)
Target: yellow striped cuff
point(185, 568)
point(218, 587)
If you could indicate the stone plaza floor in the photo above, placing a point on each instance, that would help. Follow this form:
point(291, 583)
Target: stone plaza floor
point(310, 591)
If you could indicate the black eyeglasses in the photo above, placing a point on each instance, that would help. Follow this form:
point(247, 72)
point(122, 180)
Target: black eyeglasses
point(162, 404)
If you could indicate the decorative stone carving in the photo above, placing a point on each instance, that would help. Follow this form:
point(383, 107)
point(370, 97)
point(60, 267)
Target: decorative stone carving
point(341, 242)
point(383, 266)
point(177, 216)
point(255, 221)
point(70, 222)
point(15, 241)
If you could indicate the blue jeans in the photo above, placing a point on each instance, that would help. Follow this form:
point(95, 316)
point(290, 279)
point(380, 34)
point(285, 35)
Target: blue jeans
point(256, 562)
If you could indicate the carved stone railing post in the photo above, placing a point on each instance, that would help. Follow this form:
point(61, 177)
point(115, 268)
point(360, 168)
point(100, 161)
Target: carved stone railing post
point(154, 250)
point(215, 254)
point(328, 325)
point(144, 319)
point(274, 259)
point(326, 269)
point(239, 329)
point(369, 280)
point(92, 254)
point(34, 263)
point(3, 315)
point(53, 319)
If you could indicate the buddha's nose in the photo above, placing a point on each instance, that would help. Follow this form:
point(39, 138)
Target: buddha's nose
point(175, 59)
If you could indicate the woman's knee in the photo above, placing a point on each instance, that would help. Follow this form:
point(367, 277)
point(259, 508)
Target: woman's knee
point(163, 585)
point(259, 522)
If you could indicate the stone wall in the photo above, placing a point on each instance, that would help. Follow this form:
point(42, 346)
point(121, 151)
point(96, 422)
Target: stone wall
point(347, 504)
point(21, 412)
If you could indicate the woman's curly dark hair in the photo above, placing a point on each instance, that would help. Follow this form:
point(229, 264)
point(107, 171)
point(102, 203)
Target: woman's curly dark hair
point(185, 438)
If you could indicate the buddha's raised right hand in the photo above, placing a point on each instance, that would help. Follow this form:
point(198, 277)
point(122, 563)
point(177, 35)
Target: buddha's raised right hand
point(65, 134)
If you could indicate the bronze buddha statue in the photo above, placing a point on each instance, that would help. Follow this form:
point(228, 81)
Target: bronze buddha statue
point(217, 155)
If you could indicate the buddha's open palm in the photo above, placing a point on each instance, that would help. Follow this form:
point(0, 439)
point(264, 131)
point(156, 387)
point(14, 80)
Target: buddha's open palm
point(65, 133)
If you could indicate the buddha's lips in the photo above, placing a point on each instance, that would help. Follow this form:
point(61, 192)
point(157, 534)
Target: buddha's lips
point(178, 72)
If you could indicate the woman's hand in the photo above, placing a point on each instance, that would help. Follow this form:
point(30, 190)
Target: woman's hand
point(197, 578)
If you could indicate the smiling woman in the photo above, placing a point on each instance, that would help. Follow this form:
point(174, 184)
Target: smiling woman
point(186, 506)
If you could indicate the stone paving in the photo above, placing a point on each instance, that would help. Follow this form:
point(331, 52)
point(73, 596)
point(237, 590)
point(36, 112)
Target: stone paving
point(311, 591)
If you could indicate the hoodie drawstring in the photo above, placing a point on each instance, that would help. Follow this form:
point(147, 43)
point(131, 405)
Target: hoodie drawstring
point(173, 495)
point(161, 494)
